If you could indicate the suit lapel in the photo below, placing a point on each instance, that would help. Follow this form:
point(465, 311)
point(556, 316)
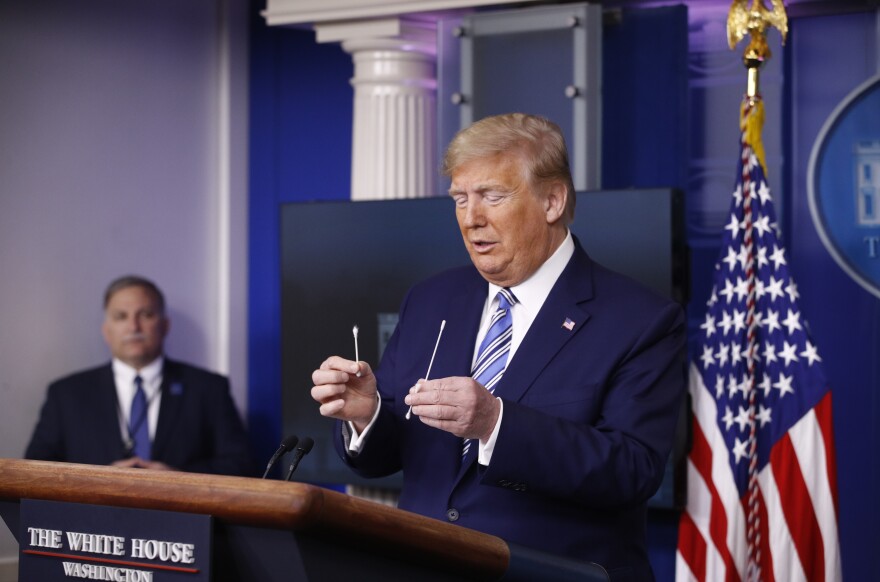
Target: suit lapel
point(456, 352)
point(110, 414)
point(169, 410)
point(561, 317)
point(462, 325)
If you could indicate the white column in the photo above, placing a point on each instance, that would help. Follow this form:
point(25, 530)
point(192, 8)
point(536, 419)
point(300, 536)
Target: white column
point(394, 106)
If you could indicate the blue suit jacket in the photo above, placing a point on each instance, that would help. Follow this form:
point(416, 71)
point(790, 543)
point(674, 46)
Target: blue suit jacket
point(199, 428)
point(589, 415)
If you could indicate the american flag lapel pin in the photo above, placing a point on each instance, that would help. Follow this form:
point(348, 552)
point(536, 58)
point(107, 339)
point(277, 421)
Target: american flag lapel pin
point(176, 389)
point(568, 324)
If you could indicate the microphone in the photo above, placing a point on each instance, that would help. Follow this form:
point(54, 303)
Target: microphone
point(287, 444)
point(301, 451)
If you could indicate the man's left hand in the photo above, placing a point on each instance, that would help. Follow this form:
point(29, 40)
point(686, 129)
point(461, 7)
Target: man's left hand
point(458, 405)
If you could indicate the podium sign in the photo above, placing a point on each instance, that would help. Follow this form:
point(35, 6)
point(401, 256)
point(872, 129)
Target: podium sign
point(64, 541)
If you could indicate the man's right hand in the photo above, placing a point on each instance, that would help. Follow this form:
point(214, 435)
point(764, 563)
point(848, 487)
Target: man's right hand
point(344, 395)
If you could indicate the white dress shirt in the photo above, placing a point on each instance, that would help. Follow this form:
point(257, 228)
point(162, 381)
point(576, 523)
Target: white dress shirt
point(151, 375)
point(530, 296)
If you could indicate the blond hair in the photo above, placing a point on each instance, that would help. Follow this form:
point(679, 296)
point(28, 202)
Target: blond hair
point(538, 141)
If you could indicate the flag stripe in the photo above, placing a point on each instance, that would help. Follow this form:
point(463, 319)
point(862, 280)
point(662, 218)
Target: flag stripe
point(798, 509)
point(716, 503)
point(729, 516)
point(823, 416)
point(785, 565)
point(682, 568)
point(708, 518)
point(808, 443)
point(695, 554)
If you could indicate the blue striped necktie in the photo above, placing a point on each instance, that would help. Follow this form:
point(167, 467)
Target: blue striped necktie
point(494, 349)
point(138, 429)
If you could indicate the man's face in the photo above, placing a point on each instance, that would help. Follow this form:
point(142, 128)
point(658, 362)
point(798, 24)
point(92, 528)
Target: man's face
point(134, 327)
point(509, 228)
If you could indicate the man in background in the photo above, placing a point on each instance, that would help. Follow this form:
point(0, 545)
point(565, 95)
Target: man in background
point(141, 409)
point(555, 391)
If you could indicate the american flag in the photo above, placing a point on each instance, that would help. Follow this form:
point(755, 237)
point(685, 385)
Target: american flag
point(761, 474)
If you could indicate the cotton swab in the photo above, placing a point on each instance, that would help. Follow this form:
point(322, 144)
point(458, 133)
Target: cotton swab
point(354, 332)
point(431, 363)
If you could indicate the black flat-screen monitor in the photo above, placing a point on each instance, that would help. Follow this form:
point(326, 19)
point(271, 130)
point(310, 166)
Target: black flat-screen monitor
point(351, 263)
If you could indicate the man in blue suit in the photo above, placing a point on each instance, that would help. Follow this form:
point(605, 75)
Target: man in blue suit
point(186, 419)
point(561, 447)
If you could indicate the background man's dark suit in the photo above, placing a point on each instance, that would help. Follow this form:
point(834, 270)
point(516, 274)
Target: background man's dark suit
point(589, 415)
point(199, 429)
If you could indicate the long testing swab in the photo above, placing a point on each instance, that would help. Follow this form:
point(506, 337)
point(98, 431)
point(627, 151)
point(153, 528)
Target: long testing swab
point(431, 363)
point(354, 332)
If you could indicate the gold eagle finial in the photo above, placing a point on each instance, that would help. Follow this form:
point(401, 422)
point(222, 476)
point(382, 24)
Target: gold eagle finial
point(754, 20)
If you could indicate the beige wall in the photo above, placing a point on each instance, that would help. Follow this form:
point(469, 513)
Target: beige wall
point(122, 149)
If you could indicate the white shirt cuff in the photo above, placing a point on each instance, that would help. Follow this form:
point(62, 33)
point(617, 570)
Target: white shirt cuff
point(486, 448)
point(357, 440)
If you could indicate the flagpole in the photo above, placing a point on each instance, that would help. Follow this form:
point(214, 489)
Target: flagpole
point(753, 21)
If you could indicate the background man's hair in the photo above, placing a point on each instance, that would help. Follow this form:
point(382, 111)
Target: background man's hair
point(134, 281)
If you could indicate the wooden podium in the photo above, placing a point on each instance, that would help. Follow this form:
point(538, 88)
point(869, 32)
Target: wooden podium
point(272, 530)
